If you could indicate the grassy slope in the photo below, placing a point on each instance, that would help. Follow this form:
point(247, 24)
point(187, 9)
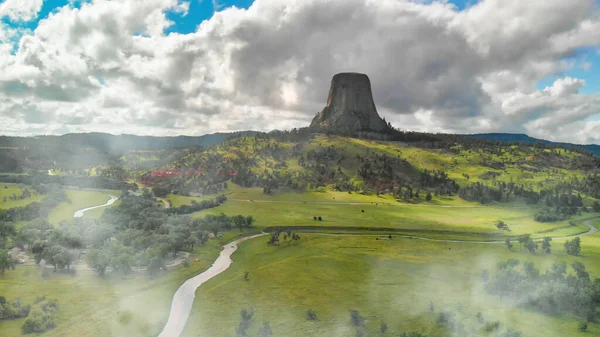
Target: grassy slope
point(80, 199)
point(520, 163)
point(387, 280)
point(91, 306)
point(8, 190)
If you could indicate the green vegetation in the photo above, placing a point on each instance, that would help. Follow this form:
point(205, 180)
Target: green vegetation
point(383, 279)
point(344, 255)
point(76, 200)
point(12, 196)
point(94, 306)
point(399, 217)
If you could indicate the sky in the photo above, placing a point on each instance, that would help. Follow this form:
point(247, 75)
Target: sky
point(191, 67)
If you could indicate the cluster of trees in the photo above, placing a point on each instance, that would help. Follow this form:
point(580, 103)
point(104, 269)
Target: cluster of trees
point(41, 317)
point(197, 206)
point(13, 310)
point(25, 193)
point(288, 236)
point(530, 245)
point(36, 178)
point(54, 196)
point(554, 292)
point(573, 247)
point(143, 234)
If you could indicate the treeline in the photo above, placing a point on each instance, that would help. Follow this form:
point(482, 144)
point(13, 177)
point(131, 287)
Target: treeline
point(554, 292)
point(136, 233)
point(454, 323)
point(197, 206)
point(143, 234)
point(54, 196)
point(81, 182)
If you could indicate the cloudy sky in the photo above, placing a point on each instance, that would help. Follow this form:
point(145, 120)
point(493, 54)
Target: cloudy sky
point(171, 67)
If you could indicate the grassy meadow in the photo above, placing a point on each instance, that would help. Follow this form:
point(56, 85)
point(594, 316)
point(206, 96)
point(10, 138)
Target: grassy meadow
point(78, 199)
point(7, 190)
point(345, 211)
point(390, 281)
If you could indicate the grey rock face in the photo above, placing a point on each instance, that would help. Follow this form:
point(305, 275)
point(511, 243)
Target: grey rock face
point(350, 106)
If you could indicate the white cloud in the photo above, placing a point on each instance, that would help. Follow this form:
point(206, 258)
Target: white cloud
point(108, 66)
point(20, 10)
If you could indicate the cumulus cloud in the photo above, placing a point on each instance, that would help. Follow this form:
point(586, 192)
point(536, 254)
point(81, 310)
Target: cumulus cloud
point(20, 10)
point(109, 66)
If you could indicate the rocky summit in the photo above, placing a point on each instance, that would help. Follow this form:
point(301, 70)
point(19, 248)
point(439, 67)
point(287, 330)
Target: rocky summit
point(350, 106)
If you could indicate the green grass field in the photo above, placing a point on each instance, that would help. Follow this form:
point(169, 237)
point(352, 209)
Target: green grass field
point(178, 200)
point(7, 190)
point(334, 208)
point(387, 280)
point(78, 199)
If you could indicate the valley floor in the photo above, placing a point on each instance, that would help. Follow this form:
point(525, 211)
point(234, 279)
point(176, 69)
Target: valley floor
point(387, 280)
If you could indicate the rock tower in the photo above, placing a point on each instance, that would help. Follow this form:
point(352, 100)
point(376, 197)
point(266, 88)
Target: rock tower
point(350, 106)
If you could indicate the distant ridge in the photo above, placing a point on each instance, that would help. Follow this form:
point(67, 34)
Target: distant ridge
point(523, 138)
point(123, 143)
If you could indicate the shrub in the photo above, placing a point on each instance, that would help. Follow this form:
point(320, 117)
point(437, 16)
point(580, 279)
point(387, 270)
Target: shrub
point(41, 318)
point(356, 319)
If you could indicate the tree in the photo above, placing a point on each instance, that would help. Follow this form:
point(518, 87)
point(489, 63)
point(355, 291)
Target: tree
point(7, 229)
point(356, 319)
point(479, 317)
point(583, 326)
point(239, 221)
point(98, 260)
point(274, 238)
point(249, 221)
point(509, 245)
point(311, 315)
point(580, 271)
point(383, 328)
point(528, 243)
point(58, 256)
point(265, 330)
point(428, 197)
point(546, 245)
point(160, 191)
point(37, 248)
point(596, 206)
point(573, 247)
point(6, 261)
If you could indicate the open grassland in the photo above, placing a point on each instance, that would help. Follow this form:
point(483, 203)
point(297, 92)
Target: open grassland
point(390, 281)
point(8, 190)
point(178, 200)
point(364, 212)
point(94, 306)
point(78, 199)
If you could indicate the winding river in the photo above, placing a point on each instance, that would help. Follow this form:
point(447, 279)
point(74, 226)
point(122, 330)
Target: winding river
point(184, 296)
point(80, 212)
